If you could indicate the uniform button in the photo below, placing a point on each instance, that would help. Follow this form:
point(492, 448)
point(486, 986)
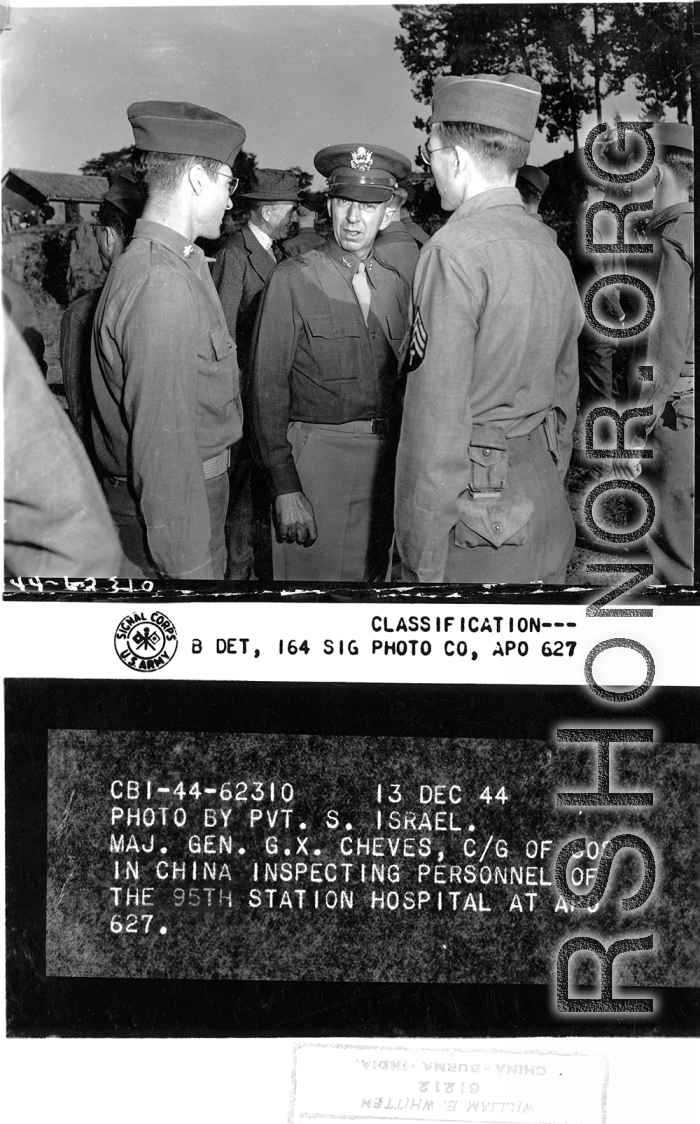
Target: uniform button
point(487, 452)
point(497, 527)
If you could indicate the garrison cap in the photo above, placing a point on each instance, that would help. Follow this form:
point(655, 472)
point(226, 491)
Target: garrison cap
point(509, 102)
point(123, 192)
point(673, 134)
point(185, 129)
point(271, 185)
point(534, 176)
point(366, 172)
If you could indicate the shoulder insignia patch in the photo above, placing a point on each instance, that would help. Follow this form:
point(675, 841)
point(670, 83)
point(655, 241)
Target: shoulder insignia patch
point(419, 343)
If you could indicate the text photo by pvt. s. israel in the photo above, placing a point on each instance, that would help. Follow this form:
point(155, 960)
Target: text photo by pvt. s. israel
point(403, 296)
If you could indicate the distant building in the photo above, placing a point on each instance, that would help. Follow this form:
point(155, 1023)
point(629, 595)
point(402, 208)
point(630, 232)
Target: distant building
point(73, 198)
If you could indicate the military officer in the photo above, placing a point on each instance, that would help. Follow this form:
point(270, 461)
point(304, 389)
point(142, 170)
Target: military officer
point(243, 264)
point(119, 209)
point(394, 245)
point(492, 378)
point(164, 373)
point(532, 183)
point(670, 353)
point(325, 383)
point(306, 237)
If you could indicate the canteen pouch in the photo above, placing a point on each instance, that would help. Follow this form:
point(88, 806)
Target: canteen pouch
point(491, 512)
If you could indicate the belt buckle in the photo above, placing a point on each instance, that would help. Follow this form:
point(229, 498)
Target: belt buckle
point(379, 426)
point(485, 493)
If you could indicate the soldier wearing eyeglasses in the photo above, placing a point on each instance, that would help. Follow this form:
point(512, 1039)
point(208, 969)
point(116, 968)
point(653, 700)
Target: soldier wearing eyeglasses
point(164, 372)
point(492, 375)
point(325, 381)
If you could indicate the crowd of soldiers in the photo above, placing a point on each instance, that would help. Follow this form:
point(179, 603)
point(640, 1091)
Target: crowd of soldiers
point(371, 406)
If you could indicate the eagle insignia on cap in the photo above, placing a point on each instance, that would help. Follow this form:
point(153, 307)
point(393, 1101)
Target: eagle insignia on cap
point(361, 159)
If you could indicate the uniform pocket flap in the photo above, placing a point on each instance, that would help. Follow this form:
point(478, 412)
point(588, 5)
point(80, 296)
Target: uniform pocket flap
point(502, 522)
point(329, 328)
point(222, 343)
point(487, 439)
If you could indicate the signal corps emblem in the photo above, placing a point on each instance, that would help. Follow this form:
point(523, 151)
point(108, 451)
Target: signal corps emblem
point(361, 159)
point(146, 641)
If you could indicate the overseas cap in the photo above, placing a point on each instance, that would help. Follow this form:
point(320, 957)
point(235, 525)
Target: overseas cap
point(185, 129)
point(366, 172)
point(673, 134)
point(509, 102)
point(534, 176)
point(123, 193)
point(272, 185)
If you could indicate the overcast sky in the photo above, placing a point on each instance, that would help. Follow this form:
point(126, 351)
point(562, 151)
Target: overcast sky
point(297, 78)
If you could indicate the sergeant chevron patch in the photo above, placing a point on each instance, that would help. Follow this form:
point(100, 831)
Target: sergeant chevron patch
point(419, 342)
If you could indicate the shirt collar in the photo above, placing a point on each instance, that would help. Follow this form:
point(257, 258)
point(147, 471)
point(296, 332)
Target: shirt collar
point(172, 239)
point(263, 238)
point(494, 197)
point(669, 213)
point(346, 262)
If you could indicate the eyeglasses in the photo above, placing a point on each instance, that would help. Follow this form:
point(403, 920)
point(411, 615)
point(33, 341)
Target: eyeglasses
point(425, 154)
point(232, 181)
point(95, 226)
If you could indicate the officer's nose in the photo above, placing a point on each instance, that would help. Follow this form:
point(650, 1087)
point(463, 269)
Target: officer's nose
point(354, 212)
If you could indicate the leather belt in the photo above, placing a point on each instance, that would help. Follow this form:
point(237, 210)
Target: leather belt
point(216, 466)
point(378, 426)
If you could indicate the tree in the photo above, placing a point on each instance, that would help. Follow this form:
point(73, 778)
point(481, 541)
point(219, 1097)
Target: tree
point(107, 162)
point(661, 56)
point(305, 178)
point(580, 54)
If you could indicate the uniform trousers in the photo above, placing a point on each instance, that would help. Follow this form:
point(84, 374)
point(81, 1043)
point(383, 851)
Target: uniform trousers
point(671, 476)
point(346, 474)
point(124, 508)
point(545, 554)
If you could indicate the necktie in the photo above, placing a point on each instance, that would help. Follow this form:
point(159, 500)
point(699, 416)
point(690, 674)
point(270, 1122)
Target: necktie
point(362, 290)
point(277, 252)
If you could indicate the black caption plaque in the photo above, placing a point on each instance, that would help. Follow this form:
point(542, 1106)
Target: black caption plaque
point(273, 857)
point(475, 765)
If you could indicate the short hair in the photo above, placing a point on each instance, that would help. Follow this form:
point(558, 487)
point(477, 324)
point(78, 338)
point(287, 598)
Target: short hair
point(494, 150)
point(110, 216)
point(158, 173)
point(681, 163)
point(400, 196)
point(528, 192)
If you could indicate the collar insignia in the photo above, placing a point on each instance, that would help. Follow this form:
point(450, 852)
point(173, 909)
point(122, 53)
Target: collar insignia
point(188, 251)
point(361, 159)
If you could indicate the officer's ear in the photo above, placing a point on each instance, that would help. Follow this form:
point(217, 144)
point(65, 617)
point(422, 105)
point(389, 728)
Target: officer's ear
point(110, 237)
point(388, 216)
point(196, 176)
point(463, 160)
point(329, 206)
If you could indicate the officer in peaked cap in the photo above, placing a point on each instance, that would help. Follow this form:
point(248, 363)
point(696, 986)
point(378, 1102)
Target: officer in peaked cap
point(492, 376)
point(325, 380)
point(119, 209)
point(243, 264)
point(669, 430)
point(164, 373)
